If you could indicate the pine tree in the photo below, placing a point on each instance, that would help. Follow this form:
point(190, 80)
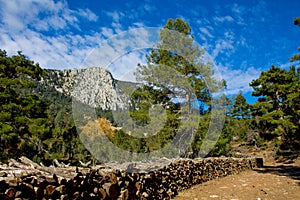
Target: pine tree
point(276, 111)
point(296, 57)
point(23, 117)
point(176, 66)
point(241, 108)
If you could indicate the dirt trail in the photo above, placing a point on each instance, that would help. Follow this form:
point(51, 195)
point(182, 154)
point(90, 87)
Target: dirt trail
point(273, 181)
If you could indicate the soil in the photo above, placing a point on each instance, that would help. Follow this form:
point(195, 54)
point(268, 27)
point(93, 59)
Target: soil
point(276, 180)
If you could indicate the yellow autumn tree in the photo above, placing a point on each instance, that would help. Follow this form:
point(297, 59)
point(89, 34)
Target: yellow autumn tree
point(99, 127)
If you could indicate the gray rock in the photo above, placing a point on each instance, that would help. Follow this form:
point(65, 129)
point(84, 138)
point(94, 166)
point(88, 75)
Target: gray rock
point(93, 86)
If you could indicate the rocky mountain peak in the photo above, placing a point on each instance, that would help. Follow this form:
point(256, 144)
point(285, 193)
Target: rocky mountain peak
point(93, 86)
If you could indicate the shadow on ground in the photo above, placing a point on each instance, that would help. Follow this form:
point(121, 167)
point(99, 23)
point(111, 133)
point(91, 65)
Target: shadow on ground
point(288, 169)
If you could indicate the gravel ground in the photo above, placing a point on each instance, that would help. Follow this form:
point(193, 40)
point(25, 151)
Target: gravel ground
point(273, 181)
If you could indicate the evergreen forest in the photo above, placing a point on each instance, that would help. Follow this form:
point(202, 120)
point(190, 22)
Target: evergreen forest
point(37, 122)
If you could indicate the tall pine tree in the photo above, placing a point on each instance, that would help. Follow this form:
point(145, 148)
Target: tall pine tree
point(176, 65)
point(241, 108)
point(276, 111)
point(23, 117)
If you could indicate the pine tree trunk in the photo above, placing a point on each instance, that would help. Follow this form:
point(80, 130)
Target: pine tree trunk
point(188, 99)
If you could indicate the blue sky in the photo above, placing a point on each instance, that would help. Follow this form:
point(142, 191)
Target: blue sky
point(242, 37)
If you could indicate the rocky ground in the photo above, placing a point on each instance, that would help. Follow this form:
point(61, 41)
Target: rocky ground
point(276, 180)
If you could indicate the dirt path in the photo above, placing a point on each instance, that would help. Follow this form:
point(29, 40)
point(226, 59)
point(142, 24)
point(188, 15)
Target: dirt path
point(273, 181)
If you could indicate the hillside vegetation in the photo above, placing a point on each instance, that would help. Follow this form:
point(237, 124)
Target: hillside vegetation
point(36, 120)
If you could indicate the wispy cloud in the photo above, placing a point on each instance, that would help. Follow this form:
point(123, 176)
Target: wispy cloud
point(238, 9)
point(18, 15)
point(222, 19)
point(115, 15)
point(124, 67)
point(206, 31)
point(116, 22)
point(26, 26)
point(223, 46)
point(88, 14)
point(238, 79)
point(121, 53)
point(50, 34)
point(138, 25)
point(149, 8)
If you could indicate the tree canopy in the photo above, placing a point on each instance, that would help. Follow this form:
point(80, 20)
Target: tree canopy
point(296, 57)
point(37, 122)
point(241, 108)
point(176, 65)
point(23, 115)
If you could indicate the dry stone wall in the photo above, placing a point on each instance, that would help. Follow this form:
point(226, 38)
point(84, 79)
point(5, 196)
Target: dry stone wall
point(28, 180)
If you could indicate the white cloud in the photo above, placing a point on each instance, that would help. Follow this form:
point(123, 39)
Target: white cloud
point(26, 25)
point(107, 32)
point(138, 25)
point(286, 66)
point(41, 15)
point(117, 26)
point(116, 16)
point(123, 68)
point(223, 46)
point(116, 21)
point(150, 8)
point(238, 80)
point(237, 8)
point(206, 31)
point(88, 14)
point(242, 42)
point(229, 35)
point(203, 21)
point(51, 52)
point(123, 45)
point(226, 18)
